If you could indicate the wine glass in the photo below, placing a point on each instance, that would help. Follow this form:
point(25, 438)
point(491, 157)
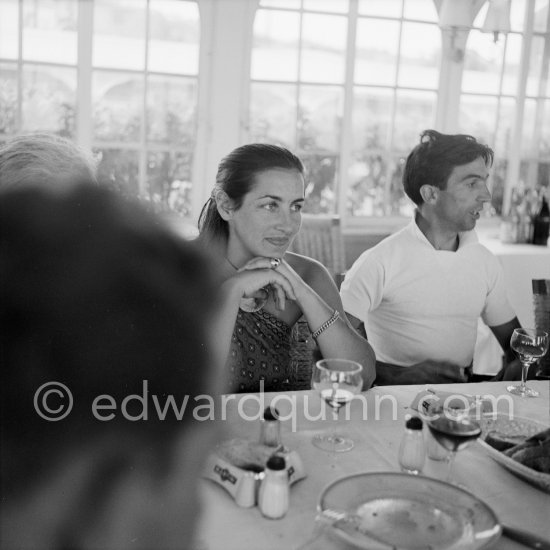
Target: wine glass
point(530, 345)
point(337, 381)
point(453, 430)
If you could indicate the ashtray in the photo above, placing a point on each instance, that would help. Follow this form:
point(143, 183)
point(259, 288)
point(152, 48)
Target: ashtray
point(238, 466)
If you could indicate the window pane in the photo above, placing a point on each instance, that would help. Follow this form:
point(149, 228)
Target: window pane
point(420, 53)
point(529, 110)
point(118, 169)
point(169, 181)
point(512, 64)
point(9, 26)
point(335, 6)
point(320, 118)
point(398, 204)
point(119, 34)
point(367, 182)
point(321, 173)
point(323, 48)
point(173, 37)
point(497, 181)
point(275, 47)
point(171, 109)
point(284, 4)
point(376, 51)
point(544, 142)
point(535, 66)
point(49, 31)
point(273, 114)
point(415, 112)
point(482, 63)
point(117, 101)
point(387, 8)
point(8, 98)
point(505, 125)
point(541, 15)
point(478, 117)
point(49, 99)
point(517, 15)
point(371, 118)
point(423, 10)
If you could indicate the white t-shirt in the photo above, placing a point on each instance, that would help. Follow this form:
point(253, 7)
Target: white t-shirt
point(419, 303)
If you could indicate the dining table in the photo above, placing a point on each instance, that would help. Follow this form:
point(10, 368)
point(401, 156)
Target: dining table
point(375, 421)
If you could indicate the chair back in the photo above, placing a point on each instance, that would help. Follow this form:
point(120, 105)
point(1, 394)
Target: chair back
point(541, 304)
point(321, 238)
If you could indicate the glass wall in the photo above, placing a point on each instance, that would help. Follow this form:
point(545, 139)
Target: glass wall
point(130, 78)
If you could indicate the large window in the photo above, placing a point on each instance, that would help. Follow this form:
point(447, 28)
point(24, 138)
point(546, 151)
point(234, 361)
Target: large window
point(133, 98)
point(496, 84)
point(349, 85)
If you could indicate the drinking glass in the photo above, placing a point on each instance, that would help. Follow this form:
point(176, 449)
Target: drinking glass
point(337, 381)
point(530, 345)
point(453, 431)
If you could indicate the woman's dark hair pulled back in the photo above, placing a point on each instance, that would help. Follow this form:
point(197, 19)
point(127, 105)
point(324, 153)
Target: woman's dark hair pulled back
point(236, 173)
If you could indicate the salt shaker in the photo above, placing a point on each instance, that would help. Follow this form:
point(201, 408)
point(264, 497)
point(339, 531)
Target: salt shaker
point(274, 490)
point(270, 428)
point(412, 453)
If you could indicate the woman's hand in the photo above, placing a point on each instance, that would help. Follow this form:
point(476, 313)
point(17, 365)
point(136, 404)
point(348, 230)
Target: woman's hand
point(251, 281)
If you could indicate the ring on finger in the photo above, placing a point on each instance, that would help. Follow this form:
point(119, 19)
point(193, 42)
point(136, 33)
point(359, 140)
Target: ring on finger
point(275, 262)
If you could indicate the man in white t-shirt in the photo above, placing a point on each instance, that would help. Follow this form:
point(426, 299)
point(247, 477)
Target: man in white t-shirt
point(419, 293)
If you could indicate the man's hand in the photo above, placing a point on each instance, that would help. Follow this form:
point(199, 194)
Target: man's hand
point(426, 372)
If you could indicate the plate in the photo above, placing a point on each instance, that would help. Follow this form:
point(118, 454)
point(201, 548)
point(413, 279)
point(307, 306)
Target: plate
point(394, 510)
point(518, 428)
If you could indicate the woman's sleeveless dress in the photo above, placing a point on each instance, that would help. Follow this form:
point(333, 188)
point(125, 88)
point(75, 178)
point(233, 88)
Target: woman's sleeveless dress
point(262, 355)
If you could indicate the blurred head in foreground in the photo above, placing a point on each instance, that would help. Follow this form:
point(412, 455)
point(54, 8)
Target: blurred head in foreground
point(96, 296)
point(46, 159)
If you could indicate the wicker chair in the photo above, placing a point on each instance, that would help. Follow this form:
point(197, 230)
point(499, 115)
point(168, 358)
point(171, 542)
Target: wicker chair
point(321, 238)
point(541, 304)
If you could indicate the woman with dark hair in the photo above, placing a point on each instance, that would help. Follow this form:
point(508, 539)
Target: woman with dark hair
point(249, 223)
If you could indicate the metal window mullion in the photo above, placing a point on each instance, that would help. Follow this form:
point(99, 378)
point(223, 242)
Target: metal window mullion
point(390, 140)
point(19, 111)
point(142, 172)
point(299, 76)
point(346, 128)
point(513, 171)
point(496, 127)
point(84, 116)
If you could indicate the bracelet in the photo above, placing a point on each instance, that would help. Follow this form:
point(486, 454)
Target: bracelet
point(326, 324)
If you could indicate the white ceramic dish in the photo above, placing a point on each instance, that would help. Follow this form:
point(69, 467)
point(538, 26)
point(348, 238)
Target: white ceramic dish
point(400, 511)
point(519, 429)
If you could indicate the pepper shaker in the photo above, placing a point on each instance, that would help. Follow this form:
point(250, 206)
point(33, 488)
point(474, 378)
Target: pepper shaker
point(270, 428)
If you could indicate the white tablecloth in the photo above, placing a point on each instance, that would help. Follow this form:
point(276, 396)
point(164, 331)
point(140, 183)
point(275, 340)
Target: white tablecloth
point(377, 432)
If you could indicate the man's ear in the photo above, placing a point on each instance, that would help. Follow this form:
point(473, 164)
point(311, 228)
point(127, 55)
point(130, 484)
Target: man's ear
point(224, 204)
point(429, 193)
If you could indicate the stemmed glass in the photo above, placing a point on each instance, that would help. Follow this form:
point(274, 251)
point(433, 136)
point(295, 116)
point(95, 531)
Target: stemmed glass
point(337, 381)
point(530, 345)
point(454, 430)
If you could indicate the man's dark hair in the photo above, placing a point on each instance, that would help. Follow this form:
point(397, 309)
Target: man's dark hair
point(434, 158)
